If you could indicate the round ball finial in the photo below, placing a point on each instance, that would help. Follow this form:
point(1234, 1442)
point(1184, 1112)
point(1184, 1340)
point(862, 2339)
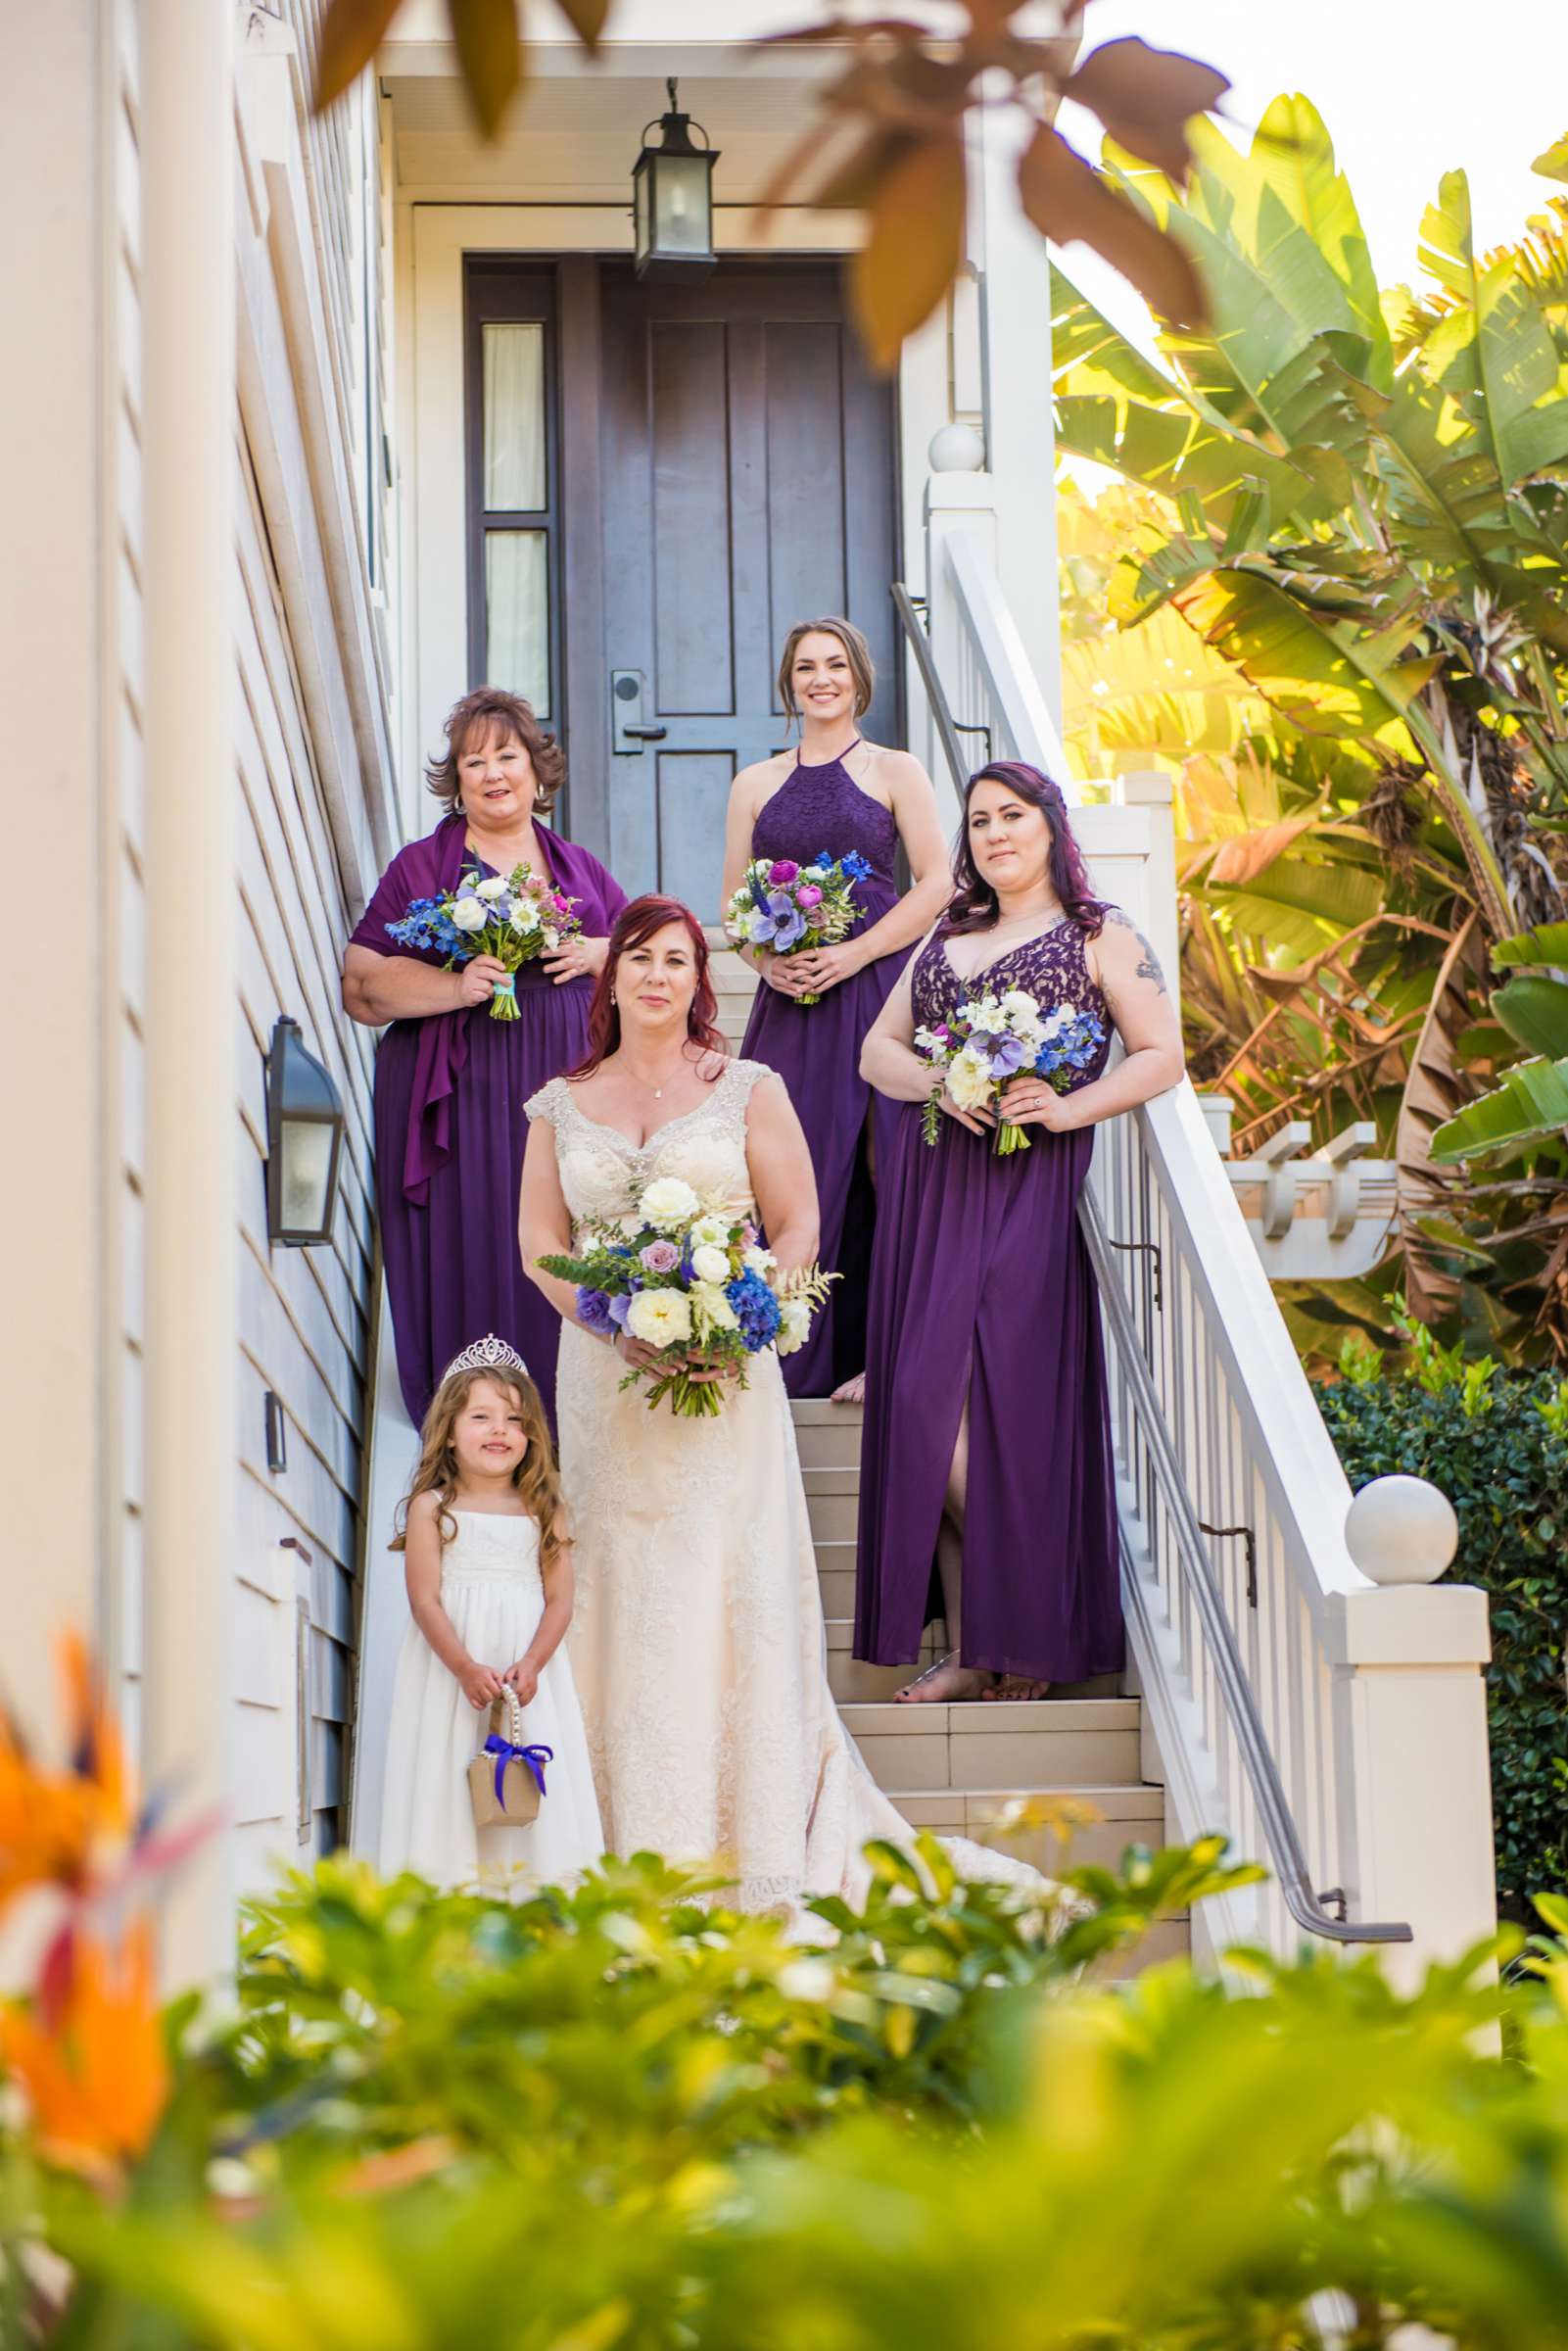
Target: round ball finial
point(1402, 1530)
point(957, 449)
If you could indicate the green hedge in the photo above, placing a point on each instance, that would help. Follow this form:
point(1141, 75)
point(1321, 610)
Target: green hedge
point(1496, 1443)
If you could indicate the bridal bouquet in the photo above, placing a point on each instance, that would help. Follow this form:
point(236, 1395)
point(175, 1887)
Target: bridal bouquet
point(992, 1040)
point(697, 1286)
point(789, 908)
point(513, 916)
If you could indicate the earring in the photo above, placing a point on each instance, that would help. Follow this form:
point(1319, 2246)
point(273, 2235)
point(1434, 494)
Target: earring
point(612, 996)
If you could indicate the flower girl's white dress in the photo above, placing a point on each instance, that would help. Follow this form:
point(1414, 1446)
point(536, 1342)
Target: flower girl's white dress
point(492, 1589)
point(698, 1640)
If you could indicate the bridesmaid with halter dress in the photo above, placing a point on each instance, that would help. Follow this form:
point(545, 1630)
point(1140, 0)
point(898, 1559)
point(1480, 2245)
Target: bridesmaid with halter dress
point(986, 1490)
point(837, 792)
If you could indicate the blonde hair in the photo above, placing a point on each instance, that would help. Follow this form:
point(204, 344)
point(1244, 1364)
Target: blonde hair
point(535, 1477)
point(857, 653)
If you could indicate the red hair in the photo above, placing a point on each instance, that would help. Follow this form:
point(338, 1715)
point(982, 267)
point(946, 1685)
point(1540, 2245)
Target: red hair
point(636, 925)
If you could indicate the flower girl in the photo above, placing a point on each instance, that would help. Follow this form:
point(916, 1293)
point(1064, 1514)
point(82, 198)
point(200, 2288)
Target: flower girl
point(489, 1565)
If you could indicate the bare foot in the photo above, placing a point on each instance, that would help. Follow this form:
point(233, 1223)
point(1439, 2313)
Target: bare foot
point(852, 1391)
point(1012, 1686)
point(947, 1682)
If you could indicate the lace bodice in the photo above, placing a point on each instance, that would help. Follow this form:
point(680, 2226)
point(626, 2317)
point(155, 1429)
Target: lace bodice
point(604, 1175)
point(1053, 966)
point(822, 807)
point(489, 1547)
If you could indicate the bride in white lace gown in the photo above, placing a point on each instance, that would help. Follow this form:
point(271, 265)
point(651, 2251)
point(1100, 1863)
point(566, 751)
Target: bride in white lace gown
point(698, 1644)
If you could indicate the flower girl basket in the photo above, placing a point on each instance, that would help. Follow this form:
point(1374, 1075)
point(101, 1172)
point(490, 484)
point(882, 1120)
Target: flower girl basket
point(507, 1778)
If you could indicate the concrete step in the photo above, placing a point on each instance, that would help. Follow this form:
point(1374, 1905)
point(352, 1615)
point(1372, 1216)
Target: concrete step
point(851, 1680)
point(829, 1444)
point(836, 1574)
point(1048, 1743)
point(1172, 1939)
point(1123, 1816)
point(834, 1509)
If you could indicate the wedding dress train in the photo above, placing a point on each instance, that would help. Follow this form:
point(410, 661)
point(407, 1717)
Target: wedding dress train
point(698, 1644)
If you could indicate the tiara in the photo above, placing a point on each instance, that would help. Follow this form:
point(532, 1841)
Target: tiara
point(488, 1354)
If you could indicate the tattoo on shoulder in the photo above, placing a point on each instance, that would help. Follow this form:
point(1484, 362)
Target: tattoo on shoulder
point(1149, 965)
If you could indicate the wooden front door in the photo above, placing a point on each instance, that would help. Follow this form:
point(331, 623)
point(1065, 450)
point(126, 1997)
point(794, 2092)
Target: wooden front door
point(747, 482)
point(661, 481)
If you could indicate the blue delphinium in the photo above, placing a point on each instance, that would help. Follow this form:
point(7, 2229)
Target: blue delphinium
point(756, 1310)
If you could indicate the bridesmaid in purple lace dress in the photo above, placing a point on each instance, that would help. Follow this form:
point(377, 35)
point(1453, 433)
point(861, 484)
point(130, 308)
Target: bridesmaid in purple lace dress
point(837, 792)
point(987, 1493)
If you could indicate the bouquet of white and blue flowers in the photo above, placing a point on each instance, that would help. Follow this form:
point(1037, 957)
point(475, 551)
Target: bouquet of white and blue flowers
point(789, 908)
point(990, 1040)
point(513, 917)
point(697, 1286)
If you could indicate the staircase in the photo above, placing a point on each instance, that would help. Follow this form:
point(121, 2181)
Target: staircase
point(957, 1769)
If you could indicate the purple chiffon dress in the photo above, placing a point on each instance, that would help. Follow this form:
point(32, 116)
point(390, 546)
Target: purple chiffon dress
point(981, 1285)
point(816, 1050)
point(450, 1126)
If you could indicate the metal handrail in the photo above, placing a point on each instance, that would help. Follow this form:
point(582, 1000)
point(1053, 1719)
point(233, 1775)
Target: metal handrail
point(920, 645)
point(1280, 1833)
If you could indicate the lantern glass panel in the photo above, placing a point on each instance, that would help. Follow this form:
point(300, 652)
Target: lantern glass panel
point(307, 1168)
point(682, 213)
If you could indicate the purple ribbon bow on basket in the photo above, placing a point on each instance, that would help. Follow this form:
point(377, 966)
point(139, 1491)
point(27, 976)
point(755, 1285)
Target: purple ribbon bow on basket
point(505, 1752)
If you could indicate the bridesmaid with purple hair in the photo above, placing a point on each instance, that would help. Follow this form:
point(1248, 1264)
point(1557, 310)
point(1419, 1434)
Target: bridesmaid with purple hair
point(835, 793)
point(987, 1492)
point(451, 1081)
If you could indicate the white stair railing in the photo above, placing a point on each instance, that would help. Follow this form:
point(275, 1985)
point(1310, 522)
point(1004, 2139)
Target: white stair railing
point(1333, 1728)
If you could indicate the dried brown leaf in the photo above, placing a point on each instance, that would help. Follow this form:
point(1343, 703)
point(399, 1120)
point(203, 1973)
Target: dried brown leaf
point(1065, 199)
point(351, 31)
point(915, 244)
point(1243, 857)
point(587, 19)
point(856, 180)
point(1434, 1089)
point(1146, 97)
point(490, 56)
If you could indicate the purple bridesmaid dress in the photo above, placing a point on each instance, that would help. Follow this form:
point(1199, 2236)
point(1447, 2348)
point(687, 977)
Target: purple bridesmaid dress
point(450, 1128)
point(982, 1283)
point(816, 1050)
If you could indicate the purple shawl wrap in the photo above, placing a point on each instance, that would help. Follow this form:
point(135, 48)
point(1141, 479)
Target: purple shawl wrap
point(421, 871)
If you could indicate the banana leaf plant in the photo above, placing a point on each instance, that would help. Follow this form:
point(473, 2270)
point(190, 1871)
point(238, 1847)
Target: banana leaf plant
point(1364, 498)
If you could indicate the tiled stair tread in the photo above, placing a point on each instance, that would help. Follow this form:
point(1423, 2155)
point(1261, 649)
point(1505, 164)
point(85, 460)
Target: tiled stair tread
point(814, 1411)
point(971, 1808)
point(844, 1480)
point(872, 1720)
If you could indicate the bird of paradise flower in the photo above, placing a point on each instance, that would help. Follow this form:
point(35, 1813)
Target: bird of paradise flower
point(86, 2046)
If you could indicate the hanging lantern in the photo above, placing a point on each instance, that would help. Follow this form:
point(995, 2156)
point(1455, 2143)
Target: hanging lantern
point(304, 1125)
point(671, 200)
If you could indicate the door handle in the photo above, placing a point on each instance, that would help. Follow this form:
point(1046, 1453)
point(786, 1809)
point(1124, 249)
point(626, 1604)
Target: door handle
point(645, 734)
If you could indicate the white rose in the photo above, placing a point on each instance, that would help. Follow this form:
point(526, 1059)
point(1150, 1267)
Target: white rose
point(493, 886)
point(710, 1265)
point(663, 1317)
point(469, 914)
point(668, 1203)
point(525, 915)
point(969, 1081)
point(758, 1261)
point(710, 1307)
point(710, 1232)
point(1019, 1005)
point(553, 940)
point(794, 1325)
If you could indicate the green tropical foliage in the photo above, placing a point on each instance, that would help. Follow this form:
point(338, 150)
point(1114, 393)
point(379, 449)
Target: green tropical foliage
point(1495, 1442)
point(1355, 502)
point(627, 2121)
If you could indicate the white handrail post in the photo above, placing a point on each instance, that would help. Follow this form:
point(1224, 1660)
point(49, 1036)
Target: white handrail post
point(1415, 1825)
point(187, 151)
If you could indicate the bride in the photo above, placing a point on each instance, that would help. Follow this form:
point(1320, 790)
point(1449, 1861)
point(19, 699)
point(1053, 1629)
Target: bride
point(698, 1644)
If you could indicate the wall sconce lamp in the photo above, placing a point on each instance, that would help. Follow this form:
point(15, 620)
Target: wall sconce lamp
point(304, 1125)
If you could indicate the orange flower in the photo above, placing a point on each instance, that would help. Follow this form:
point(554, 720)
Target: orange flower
point(95, 2072)
point(64, 1828)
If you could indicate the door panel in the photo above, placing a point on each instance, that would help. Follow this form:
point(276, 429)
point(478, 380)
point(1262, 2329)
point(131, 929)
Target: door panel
point(747, 478)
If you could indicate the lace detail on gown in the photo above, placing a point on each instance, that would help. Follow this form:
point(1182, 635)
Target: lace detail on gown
point(698, 1642)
